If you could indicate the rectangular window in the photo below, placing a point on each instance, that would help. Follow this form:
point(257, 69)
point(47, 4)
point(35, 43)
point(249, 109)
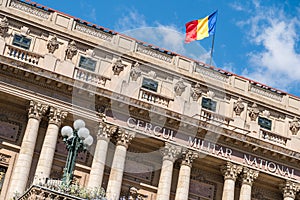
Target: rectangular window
point(21, 41)
point(209, 104)
point(87, 63)
point(265, 123)
point(150, 84)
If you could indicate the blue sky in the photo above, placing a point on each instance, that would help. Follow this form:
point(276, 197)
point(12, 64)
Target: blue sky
point(255, 39)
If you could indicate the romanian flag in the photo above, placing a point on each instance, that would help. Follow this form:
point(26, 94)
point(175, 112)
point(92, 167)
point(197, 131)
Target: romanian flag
point(201, 28)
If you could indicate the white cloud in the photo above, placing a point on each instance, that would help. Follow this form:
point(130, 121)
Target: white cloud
point(276, 61)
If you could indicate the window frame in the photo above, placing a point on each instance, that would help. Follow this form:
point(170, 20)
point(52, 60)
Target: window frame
point(87, 63)
point(213, 109)
point(146, 86)
point(20, 43)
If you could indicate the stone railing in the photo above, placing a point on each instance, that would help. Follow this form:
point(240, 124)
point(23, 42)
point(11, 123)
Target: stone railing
point(211, 73)
point(267, 93)
point(155, 53)
point(22, 55)
point(215, 118)
point(89, 77)
point(153, 97)
point(273, 137)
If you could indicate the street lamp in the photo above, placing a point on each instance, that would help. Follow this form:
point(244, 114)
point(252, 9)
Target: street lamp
point(76, 140)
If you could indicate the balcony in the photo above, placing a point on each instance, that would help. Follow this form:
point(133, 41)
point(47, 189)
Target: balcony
point(22, 55)
point(213, 117)
point(273, 137)
point(89, 77)
point(154, 98)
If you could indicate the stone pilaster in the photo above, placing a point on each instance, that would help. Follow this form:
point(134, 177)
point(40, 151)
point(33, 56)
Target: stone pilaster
point(43, 170)
point(230, 172)
point(23, 163)
point(289, 190)
point(182, 191)
point(170, 153)
point(248, 176)
point(113, 190)
point(105, 131)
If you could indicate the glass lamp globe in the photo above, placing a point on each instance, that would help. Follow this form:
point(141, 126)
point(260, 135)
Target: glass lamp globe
point(66, 131)
point(83, 133)
point(88, 141)
point(79, 123)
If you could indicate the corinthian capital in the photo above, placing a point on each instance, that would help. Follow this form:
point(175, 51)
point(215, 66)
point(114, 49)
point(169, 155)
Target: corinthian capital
point(124, 137)
point(56, 116)
point(231, 171)
point(105, 131)
point(170, 152)
point(37, 110)
point(289, 189)
point(249, 175)
point(188, 157)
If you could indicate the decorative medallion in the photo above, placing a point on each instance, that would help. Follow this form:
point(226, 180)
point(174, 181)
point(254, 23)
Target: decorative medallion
point(253, 112)
point(294, 126)
point(196, 92)
point(238, 107)
point(135, 72)
point(71, 50)
point(179, 87)
point(53, 44)
point(118, 66)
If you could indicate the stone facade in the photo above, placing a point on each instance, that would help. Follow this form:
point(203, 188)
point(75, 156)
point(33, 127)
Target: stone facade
point(163, 125)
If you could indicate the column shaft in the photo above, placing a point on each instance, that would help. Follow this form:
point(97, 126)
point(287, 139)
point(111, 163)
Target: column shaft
point(23, 164)
point(98, 165)
point(165, 180)
point(228, 189)
point(116, 173)
point(245, 193)
point(248, 177)
point(182, 192)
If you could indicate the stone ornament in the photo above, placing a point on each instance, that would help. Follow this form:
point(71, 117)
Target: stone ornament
point(37, 110)
point(4, 158)
point(135, 72)
point(238, 107)
point(52, 44)
point(188, 157)
point(266, 113)
point(210, 94)
point(170, 152)
point(71, 50)
point(3, 26)
point(289, 189)
point(253, 112)
point(56, 116)
point(24, 30)
point(231, 171)
point(294, 126)
point(123, 137)
point(196, 92)
point(118, 66)
point(179, 87)
point(249, 175)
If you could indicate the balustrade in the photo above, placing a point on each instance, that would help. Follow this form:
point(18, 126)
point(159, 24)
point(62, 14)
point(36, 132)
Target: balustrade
point(153, 97)
point(90, 77)
point(273, 137)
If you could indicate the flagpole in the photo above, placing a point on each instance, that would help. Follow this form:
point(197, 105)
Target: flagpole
point(212, 48)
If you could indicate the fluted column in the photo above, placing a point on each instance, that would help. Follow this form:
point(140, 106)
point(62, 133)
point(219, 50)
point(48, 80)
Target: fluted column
point(116, 173)
point(98, 165)
point(230, 172)
point(23, 163)
point(182, 191)
point(248, 176)
point(289, 190)
point(43, 170)
point(170, 153)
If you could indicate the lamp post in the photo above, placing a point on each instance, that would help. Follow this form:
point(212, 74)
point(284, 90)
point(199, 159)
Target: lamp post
point(76, 140)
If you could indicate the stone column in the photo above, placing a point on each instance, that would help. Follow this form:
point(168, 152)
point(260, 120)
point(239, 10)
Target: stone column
point(289, 190)
point(43, 170)
point(182, 191)
point(230, 172)
point(23, 163)
point(248, 176)
point(98, 165)
point(170, 153)
point(123, 139)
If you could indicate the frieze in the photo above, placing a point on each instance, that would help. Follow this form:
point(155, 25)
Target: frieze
point(4, 159)
point(154, 53)
point(93, 32)
point(266, 93)
point(212, 74)
point(30, 9)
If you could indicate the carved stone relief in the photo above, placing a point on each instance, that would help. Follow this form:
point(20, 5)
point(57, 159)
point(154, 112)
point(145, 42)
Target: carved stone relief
point(179, 88)
point(294, 126)
point(238, 107)
point(253, 112)
point(3, 26)
point(135, 72)
point(71, 50)
point(196, 92)
point(118, 66)
point(53, 44)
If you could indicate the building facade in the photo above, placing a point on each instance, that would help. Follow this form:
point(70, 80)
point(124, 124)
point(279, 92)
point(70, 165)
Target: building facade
point(170, 126)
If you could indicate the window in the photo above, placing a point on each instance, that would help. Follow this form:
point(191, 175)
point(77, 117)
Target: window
point(2, 176)
point(265, 123)
point(209, 104)
point(21, 41)
point(150, 84)
point(87, 63)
